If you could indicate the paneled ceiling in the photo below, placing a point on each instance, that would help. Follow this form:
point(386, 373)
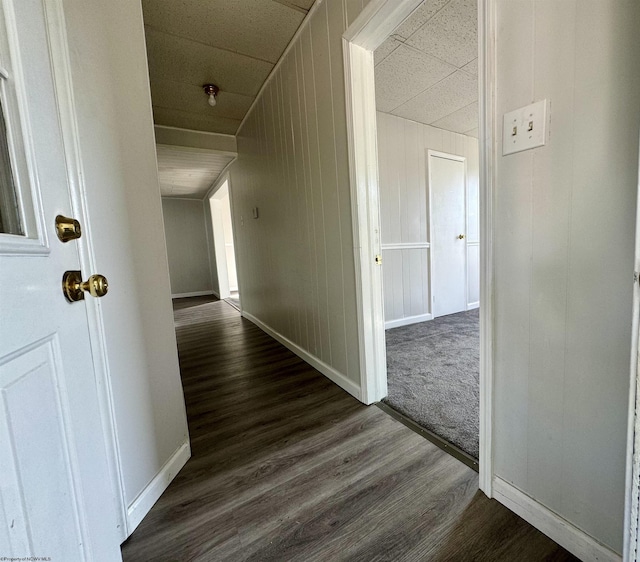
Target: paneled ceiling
point(231, 43)
point(427, 70)
point(189, 172)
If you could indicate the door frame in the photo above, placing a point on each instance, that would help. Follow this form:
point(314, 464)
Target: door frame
point(632, 476)
point(456, 158)
point(370, 29)
point(225, 177)
point(63, 85)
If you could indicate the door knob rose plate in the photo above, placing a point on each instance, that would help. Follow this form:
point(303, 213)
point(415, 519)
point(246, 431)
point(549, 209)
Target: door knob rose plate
point(74, 288)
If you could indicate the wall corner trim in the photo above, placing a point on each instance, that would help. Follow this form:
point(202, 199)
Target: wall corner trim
point(328, 371)
point(407, 320)
point(152, 491)
point(194, 294)
point(555, 527)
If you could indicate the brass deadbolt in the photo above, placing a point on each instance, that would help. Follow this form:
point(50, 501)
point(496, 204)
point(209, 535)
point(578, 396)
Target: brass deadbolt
point(74, 288)
point(67, 229)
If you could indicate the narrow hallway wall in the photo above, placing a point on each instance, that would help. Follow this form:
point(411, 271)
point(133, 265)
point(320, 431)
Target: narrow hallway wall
point(187, 247)
point(564, 257)
point(296, 260)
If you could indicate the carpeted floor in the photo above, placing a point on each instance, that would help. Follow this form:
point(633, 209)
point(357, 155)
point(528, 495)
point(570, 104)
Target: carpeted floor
point(433, 373)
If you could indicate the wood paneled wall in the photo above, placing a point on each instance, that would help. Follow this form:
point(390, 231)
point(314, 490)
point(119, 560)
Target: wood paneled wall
point(402, 157)
point(296, 261)
point(564, 257)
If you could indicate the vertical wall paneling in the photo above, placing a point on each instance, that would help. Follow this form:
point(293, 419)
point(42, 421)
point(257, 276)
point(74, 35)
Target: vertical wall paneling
point(297, 259)
point(563, 252)
point(404, 211)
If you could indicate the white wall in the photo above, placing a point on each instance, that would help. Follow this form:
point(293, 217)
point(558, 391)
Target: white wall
point(563, 242)
point(111, 89)
point(187, 247)
point(296, 262)
point(402, 157)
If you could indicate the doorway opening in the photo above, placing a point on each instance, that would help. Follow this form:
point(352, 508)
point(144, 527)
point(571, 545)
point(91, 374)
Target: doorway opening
point(428, 334)
point(223, 241)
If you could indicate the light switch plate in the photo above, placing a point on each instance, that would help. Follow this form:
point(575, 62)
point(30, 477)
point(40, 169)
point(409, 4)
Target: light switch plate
point(525, 128)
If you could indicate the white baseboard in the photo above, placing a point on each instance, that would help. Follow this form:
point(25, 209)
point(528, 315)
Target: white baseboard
point(215, 293)
point(152, 492)
point(551, 524)
point(194, 294)
point(473, 305)
point(328, 371)
point(406, 321)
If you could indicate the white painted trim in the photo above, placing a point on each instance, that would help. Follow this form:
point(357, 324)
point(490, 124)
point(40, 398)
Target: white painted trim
point(22, 157)
point(208, 133)
point(193, 294)
point(407, 246)
point(61, 65)
point(152, 491)
point(632, 476)
point(198, 150)
point(486, 136)
point(377, 21)
point(407, 320)
point(369, 30)
point(297, 34)
point(473, 305)
point(551, 524)
point(234, 231)
point(223, 177)
point(328, 371)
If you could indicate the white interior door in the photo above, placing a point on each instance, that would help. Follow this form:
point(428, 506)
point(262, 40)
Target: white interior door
point(56, 499)
point(448, 233)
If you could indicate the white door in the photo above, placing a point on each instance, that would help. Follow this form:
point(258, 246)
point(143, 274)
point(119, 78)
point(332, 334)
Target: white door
point(448, 233)
point(56, 499)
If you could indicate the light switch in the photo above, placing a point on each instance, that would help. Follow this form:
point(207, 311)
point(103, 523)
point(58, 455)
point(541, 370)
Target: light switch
point(525, 128)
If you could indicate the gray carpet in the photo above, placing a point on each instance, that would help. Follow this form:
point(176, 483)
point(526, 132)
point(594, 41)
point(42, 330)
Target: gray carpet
point(433, 373)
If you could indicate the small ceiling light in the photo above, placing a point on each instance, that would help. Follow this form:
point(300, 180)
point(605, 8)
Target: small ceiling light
point(212, 91)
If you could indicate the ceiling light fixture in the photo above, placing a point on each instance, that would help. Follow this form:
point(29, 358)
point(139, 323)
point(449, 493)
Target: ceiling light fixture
point(212, 91)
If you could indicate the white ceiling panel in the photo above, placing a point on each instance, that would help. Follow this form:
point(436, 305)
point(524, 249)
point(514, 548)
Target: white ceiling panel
point(460, 121)
point(447, 96)
point(182, 60)
point(452, 34)
point(233, 44)
point(188, 172)
point(187, 120)
point(404, 74)
point(256, 28)
point(472, 67)
point(408, 82)
point(189, 97)
point(384, 50)
point(421, 15)
point(302, 5)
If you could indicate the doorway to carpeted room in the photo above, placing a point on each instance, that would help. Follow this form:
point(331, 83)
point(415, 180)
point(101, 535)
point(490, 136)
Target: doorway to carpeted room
point(429, 201)
point(433, 376)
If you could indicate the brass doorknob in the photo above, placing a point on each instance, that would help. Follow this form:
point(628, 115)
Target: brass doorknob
point(460, 236)
point(74, 288)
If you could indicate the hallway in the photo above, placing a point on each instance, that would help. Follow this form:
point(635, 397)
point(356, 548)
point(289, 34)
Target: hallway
point(287, 466)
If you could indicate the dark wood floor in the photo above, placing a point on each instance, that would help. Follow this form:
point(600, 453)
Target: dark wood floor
point(287, 466)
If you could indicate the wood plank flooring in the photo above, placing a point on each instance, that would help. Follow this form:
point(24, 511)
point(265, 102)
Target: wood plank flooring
point(287, 466)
